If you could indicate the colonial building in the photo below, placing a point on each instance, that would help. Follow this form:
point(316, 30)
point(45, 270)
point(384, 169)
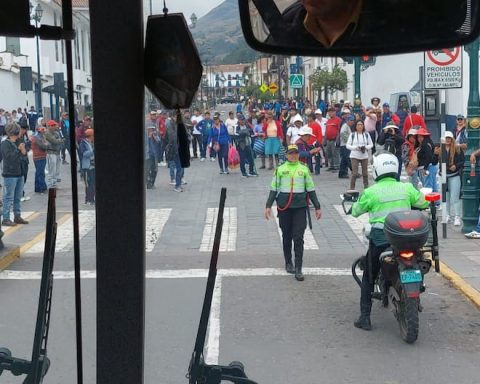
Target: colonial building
point(22, 52)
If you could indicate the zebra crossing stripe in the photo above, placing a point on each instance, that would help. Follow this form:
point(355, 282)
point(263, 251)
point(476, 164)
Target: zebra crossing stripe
point(86, 220)
point(228, 242)
point(309, 242)
point(156, 219)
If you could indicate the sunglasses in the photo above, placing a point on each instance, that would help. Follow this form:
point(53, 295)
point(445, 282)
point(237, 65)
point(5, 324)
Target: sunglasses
point(460, 119)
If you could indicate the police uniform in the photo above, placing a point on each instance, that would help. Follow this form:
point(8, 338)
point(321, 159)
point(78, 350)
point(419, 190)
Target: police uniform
point(292, 187)
point(386, 196)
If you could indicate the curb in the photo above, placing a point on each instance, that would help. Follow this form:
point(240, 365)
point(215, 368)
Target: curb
point(459, 283)
point(9, 257)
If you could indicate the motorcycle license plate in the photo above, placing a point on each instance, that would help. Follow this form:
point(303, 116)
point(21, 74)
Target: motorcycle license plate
point(411, 276)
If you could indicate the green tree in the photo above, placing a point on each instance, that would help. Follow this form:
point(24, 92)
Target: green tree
point(326, 81)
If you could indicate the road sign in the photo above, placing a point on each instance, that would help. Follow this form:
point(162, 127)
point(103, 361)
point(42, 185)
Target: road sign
point(443, 68)
point(296, 81)
point(264, 88)
point(273, 88)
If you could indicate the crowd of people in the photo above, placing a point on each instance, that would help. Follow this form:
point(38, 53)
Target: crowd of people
point(25, 131)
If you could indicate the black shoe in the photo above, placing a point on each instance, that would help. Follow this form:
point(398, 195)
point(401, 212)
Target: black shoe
point(8, 223)
point(363, 322)
point(289, 267)
point(19, 220)
point(344, 177)
point(299, 275)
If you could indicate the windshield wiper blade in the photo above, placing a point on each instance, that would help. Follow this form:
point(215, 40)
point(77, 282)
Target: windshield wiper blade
point(199, 372)
point(37, 368)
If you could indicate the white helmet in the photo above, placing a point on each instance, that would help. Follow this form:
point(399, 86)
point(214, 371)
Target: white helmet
point(384, 164)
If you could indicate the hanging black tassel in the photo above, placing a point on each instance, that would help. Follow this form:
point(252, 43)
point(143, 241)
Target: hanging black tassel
point(183, 142)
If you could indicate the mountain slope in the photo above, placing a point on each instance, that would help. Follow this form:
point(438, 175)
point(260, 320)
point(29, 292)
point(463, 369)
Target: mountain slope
point(219, 36)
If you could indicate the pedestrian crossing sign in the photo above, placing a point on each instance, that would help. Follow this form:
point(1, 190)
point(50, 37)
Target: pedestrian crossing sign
point(296, 81)
point(264, 88)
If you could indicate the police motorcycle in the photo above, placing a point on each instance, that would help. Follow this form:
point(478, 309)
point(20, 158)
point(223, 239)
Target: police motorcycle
point(413, 247)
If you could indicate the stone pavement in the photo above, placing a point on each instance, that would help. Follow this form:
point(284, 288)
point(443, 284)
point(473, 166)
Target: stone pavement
point(461, 256)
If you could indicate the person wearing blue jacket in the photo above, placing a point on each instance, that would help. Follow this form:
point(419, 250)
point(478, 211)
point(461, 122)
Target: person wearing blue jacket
point(205, 127)
point(219, 140)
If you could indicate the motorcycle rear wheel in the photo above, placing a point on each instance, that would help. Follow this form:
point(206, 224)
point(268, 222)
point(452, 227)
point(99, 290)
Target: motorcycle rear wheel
point(408, 318)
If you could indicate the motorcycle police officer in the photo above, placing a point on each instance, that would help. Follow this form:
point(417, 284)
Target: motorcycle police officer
point(386, 196)
point(292, 187)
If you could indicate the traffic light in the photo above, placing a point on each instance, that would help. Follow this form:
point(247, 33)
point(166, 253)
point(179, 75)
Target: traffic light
point(367, 60)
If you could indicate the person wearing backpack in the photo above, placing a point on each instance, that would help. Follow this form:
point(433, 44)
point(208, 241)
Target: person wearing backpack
point(359, 143)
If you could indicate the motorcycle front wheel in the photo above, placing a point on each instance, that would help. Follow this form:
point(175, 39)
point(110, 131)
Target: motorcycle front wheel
point(408, 318)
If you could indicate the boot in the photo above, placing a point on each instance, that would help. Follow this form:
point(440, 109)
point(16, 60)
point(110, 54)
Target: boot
point(270, 162)
point(19, 220)
point(298, 270)
point(363, 322)
point(263, 162)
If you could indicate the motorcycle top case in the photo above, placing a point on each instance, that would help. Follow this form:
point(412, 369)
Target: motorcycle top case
point(406, 230)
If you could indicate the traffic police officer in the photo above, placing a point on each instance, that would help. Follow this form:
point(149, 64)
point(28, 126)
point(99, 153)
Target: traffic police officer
point(292, 187)
point(386, 196)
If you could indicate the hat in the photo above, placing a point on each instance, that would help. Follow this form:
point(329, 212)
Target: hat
point(448, 134)
point(292, 148)
point(375, 98)
point(412, 132)
point(347, 102)
point(389, 125)
point(350, 118)
point(306, 130)
point(153, 112)
point(346, 110)
point(423, 132)
point(318, 112)
point(298, 118)
point(52, 123)
point(460, 116)
point(386, 105)
point(88, 132)
point(159, 111)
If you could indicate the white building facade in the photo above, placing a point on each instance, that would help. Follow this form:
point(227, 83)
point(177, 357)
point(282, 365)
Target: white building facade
point(22, 52)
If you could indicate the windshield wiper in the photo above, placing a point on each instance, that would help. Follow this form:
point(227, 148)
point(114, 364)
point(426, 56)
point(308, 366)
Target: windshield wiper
point(39, 364)
point(199, 372)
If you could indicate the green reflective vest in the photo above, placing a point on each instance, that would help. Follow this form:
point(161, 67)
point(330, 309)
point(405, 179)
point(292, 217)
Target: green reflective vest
point(386, 196)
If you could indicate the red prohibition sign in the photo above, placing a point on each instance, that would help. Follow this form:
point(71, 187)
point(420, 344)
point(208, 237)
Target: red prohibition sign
point(452, 54)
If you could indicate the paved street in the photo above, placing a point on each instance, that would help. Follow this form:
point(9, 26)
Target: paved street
point(283, 331)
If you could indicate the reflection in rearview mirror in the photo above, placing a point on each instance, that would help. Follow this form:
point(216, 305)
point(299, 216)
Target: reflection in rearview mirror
point(355, 27)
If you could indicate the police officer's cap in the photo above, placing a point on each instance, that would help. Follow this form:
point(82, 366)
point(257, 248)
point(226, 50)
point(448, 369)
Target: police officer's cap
point(292, 148)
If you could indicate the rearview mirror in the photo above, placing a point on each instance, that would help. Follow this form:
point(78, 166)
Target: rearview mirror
point(357, 27)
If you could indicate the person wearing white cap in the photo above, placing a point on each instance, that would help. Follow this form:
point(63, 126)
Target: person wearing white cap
point(321, 121)
point(455, 158)
point(292, 132)
point(306, 151)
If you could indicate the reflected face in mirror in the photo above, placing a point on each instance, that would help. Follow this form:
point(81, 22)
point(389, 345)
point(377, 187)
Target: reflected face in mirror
point(351, 27)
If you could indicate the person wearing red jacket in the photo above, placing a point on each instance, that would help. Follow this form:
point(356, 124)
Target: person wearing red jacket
point(332, 131)
point(412, 120)
point(274, 137)
point(316, 140)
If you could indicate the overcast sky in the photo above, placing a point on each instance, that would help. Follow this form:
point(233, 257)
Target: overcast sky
point(187, 7)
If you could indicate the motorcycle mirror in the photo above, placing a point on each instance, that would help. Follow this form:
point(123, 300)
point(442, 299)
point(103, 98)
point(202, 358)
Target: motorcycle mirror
point(173, 69)
point(357, 27)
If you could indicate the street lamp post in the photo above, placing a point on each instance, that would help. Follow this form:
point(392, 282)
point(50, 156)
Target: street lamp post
point(471, 183)
point(36, 15)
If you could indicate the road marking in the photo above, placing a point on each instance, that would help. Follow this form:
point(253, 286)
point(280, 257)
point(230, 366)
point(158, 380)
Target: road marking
point(155, 221)
point(309, 242)
point(39, 239)
point(357, 224)
point(181, 273)
point(229, 234)
point(25, 215)
point(64, 240)
point(212, 349)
